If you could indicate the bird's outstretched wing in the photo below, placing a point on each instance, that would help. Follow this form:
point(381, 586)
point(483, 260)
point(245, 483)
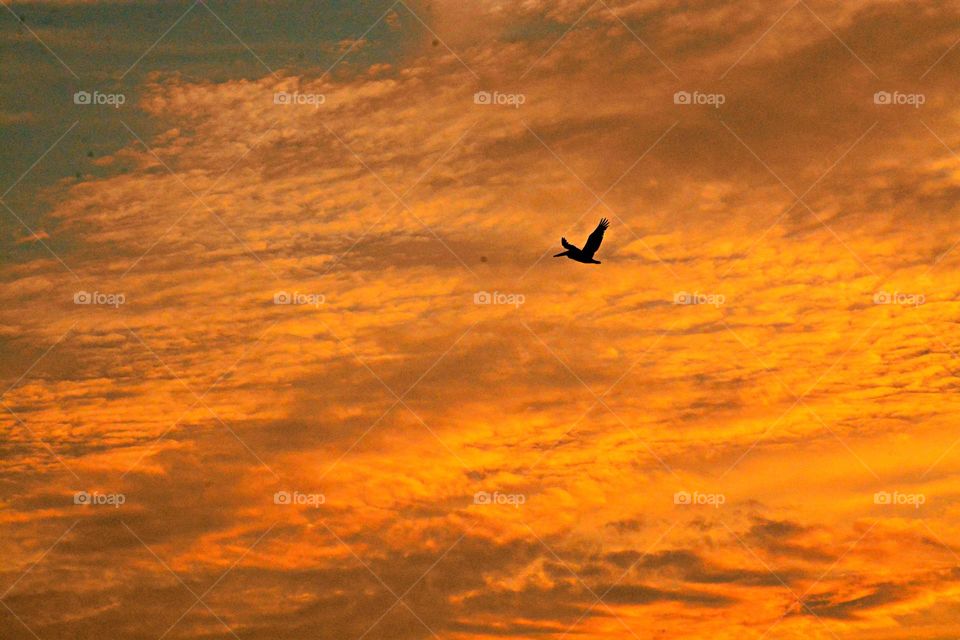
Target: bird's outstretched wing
point(566, 245)
point(593, 242)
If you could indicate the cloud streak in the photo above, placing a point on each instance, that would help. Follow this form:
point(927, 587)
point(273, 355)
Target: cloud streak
point(686, 469)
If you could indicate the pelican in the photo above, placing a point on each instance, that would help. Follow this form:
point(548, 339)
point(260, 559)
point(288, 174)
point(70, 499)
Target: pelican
point(585, 255)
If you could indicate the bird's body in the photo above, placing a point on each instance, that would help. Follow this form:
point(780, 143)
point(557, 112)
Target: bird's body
point(586, 254)
point(577, 255)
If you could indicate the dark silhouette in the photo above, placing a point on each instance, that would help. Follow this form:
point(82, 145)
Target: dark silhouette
point(585, 255)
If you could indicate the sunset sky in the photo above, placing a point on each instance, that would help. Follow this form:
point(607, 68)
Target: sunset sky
point(285, 354)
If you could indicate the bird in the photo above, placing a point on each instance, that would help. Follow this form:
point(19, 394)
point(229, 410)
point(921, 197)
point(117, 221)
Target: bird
point(585, 255)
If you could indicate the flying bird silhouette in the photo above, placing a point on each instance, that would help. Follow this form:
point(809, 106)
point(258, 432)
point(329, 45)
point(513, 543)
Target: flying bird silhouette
point(585, 255)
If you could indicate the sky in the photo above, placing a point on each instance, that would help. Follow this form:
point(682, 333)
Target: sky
point(284, 351)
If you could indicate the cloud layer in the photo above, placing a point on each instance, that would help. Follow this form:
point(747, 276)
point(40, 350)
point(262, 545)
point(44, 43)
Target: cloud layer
point(390, 456)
